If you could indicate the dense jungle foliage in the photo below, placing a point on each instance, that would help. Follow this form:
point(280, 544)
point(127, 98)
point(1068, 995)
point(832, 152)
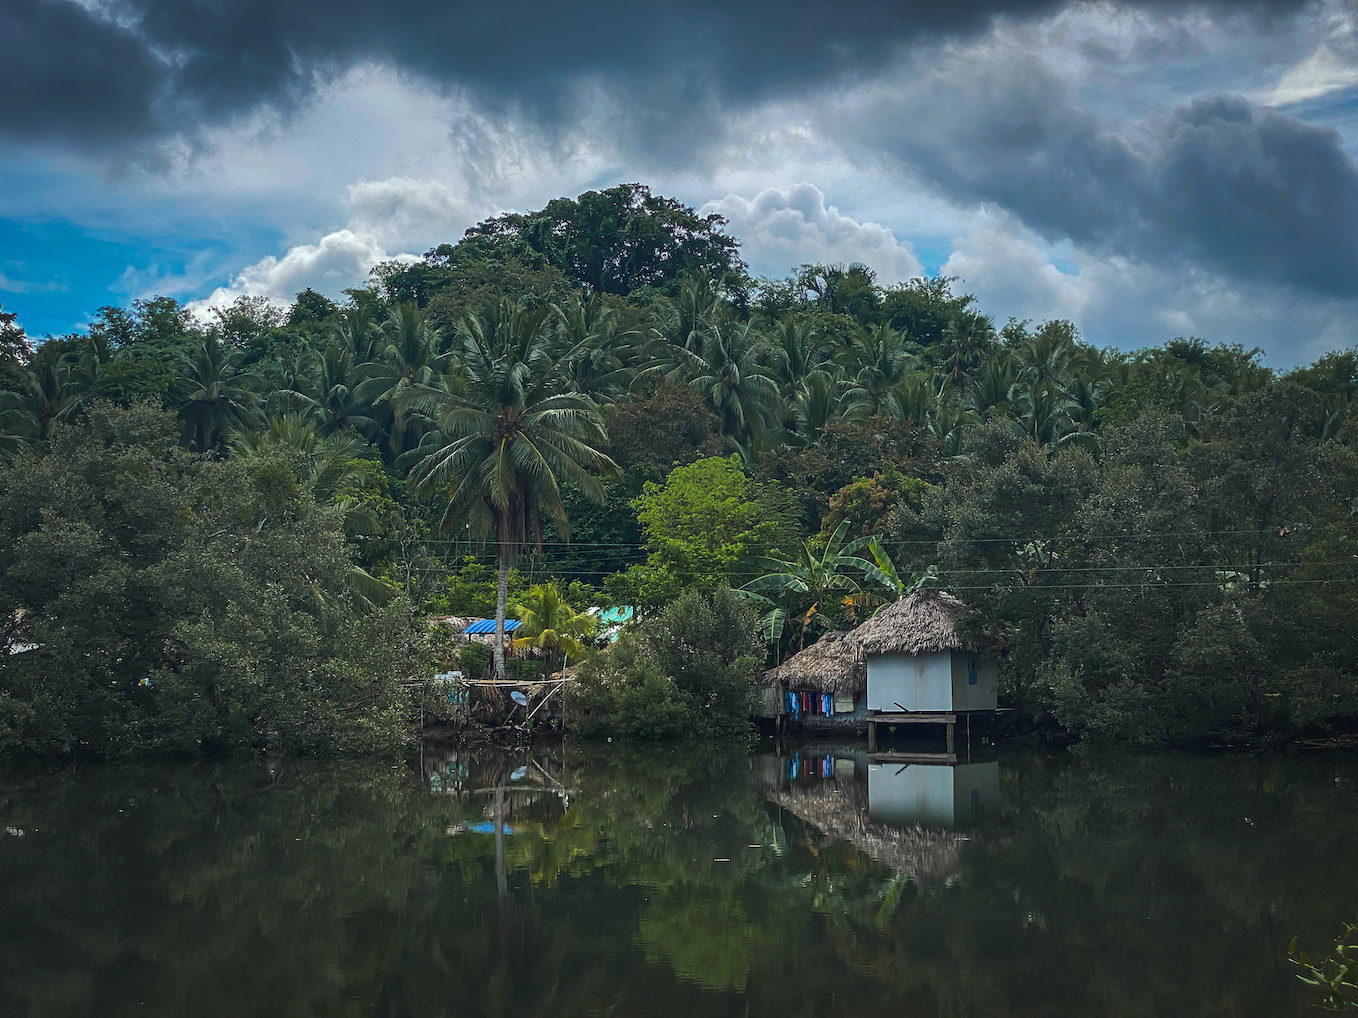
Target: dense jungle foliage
point(598, 394)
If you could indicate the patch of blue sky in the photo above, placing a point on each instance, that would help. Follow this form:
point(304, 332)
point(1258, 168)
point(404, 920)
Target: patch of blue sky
point(933, 252)
point(1337, 109)
point(55, 273)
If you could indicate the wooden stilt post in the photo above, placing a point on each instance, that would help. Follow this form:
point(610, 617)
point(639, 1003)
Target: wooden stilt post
point(872, 736)
point(952, 741)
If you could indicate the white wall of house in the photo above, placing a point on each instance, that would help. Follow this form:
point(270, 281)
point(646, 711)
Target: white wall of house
point(932, 682)
point(921, 682)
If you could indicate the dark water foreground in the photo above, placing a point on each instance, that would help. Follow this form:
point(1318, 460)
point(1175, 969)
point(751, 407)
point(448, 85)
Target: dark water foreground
point(673, 882)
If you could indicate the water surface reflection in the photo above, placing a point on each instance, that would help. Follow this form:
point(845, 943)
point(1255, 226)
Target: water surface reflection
point(811, 881)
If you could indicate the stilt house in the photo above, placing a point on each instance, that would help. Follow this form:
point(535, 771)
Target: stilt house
point(917, 661)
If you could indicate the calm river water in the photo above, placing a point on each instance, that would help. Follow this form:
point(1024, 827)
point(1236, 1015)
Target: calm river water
point(674, 882)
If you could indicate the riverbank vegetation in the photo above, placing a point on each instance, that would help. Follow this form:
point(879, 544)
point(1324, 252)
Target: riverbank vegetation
point(230, 532)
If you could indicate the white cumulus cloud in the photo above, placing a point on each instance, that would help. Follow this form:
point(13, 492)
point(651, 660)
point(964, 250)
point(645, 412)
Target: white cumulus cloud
point(781, 229)
point(386, 219)
point(335, 262)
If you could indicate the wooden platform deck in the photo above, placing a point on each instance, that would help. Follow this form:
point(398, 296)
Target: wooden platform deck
point(913, 758)
point(948, 719)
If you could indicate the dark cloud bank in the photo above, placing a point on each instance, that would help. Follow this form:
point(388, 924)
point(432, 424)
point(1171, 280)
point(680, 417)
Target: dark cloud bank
point(145, 67)
point(1220, 182)
point(1246, 192)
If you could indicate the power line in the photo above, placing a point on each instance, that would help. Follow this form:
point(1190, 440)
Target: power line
point(896, 544)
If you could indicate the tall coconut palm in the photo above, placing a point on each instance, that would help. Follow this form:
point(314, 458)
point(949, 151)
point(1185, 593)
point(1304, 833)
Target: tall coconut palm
point(914, 401)
point(797, 350)
point(551, 627)
point(817, 401)
point(49, 389)
point(1046, 414)
point(1047, 354)
point(967, 340)
point(729, 374)
point(687, 317)
point(876, 359)
point(330, 466)
point(990, 386)
point(410, 356)
point(357, 332)
point(504, 438)
point(328, 394)
point(221, 399)
point(18, 426)
point(596, 352)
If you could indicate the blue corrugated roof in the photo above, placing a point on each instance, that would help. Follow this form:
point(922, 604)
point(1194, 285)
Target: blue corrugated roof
point(488, 626)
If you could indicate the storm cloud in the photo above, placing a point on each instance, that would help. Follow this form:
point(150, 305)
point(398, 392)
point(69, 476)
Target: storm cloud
point(102, 73)
point(1219, 182)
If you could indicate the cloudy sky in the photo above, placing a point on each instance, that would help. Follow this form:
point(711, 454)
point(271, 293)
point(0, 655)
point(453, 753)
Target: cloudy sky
point(1146, 169)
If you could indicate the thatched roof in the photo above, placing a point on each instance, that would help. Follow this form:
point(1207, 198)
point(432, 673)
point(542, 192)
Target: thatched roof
point(921, 853)
point(455, 622)
point(924, 622)
point(832, 664)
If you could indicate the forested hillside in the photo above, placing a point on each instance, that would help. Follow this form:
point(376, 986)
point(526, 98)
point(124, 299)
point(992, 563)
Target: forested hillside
point(209, 528)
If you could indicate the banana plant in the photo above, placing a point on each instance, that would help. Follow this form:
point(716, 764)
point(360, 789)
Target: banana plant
point(878, 568)
point(815, 589)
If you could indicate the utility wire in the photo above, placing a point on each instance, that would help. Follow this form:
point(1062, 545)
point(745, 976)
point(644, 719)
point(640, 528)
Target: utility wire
point(898, 544)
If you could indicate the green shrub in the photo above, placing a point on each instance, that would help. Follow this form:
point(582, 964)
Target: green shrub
point(473, 660)
point(688, 673)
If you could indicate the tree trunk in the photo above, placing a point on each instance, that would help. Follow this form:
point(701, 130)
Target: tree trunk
point(501, 596)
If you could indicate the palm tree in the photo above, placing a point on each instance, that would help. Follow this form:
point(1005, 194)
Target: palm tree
point(877, 359)
point(330, 466)
point(729, 373)
point(688, 317)
point(221, 400)
point(1047, 354)
point(18, 426)
point(990, 385)
point(818, 401)
point(504, 438)
point(949, 425)
point(850, 290)
point(966, 342)
point(1046, 414)
point(914, 401)
point(549, 625)
point(329, 395)
point(596, 353)
point(797, 350)
point(49, 390)
point(410, 357)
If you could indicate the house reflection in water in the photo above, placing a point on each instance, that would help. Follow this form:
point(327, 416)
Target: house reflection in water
point(906, 810)
point(949, 795)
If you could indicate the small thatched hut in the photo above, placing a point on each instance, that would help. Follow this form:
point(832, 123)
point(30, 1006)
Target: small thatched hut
point(821, 686)
point(918, 659)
